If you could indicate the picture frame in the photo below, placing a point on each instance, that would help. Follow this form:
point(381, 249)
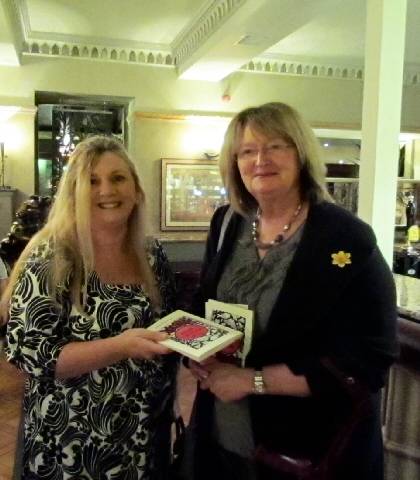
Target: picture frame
point(190, 193)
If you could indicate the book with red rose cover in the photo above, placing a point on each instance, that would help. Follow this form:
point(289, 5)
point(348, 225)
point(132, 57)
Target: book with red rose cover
point(237, 317)
point(193, 336)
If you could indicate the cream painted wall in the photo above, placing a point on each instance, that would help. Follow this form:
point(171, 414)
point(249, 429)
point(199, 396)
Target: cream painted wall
point(157, 139)
point(154, 89)
point(17, 132)
point(159, 89)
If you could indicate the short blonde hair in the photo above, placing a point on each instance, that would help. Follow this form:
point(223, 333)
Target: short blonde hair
point(68, 227)
point(273, 120)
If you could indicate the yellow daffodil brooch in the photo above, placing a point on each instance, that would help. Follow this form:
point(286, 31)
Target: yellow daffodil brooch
point(341, 259)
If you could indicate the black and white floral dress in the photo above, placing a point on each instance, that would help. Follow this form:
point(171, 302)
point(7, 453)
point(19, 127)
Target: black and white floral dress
point(112, 423)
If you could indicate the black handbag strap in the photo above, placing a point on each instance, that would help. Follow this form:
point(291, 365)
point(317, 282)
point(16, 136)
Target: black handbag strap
point(178, 442)
point(304, 468)
point(361, 408)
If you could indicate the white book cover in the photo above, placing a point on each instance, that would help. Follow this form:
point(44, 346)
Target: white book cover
point(237, 317)
point(193, 336)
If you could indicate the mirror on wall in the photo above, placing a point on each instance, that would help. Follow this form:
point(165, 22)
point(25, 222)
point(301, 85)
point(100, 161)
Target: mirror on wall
point(62, 122)
point(342, 158)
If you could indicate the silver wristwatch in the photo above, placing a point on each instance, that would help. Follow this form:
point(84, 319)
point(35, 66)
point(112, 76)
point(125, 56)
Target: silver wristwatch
point(259, 385)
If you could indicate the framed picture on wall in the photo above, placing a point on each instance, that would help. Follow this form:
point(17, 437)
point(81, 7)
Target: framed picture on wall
point(191, 192)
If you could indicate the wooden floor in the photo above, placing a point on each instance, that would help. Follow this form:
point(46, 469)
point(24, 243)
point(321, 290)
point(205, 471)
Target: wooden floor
point(11, 386)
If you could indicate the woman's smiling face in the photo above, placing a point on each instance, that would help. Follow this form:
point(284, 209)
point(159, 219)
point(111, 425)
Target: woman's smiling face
point(113, 192)
point(269, 167)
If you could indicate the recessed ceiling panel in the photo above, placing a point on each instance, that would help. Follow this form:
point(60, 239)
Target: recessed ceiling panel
point(8, 53)
point(412, 46)
point(132, 21)
point(338, 33)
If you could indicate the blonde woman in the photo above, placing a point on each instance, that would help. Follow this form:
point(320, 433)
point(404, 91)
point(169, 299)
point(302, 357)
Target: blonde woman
point(4, 310)
point(98, 400)
point(4, 279)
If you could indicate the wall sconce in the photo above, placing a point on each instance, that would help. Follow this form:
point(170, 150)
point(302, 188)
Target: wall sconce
point(211, 154)
point(2, 157)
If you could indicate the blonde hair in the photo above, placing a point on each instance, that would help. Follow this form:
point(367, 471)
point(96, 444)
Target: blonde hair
point(68, 228)
point(273, 120)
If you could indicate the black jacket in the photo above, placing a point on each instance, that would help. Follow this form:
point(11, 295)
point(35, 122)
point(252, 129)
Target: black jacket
point(346, 314)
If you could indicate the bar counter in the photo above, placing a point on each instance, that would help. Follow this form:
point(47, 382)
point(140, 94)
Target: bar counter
point(408, 299)
point(408, 296)
point(402, 393)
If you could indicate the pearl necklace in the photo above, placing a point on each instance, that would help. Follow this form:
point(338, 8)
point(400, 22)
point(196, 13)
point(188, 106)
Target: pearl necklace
point(279, 238)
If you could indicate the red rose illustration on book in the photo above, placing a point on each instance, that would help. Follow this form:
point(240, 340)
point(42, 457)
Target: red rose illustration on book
point(190, 332)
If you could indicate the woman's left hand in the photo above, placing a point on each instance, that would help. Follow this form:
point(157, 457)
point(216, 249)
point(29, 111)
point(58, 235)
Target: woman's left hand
point(228, 382)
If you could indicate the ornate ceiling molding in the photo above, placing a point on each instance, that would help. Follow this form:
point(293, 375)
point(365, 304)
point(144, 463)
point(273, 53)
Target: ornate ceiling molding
point(98, 52)
point(190, 39)
point(305, 69)
point(165, 59)
point(103, 42)
point(210, 18)
point(289, 67)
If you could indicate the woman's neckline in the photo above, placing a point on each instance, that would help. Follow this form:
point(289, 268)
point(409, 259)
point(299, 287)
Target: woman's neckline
point(116, 284)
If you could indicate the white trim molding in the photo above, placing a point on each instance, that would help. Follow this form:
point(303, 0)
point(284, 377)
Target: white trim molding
point(306, 69)
point(97, 52)
point(215, 15)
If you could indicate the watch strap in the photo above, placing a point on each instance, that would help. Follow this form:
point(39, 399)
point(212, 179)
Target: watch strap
point(259, 385)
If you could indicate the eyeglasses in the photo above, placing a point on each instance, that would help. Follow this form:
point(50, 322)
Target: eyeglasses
point(275, 149)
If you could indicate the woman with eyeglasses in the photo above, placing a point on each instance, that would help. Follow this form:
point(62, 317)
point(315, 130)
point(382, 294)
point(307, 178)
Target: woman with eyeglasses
point(307, 402)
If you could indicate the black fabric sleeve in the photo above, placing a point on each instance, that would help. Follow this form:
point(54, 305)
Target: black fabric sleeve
point(362, 339)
